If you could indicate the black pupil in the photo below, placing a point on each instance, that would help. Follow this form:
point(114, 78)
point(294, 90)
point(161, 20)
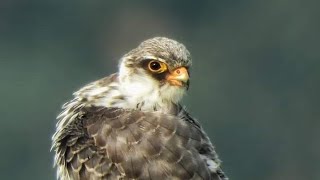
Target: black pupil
point(155, 66)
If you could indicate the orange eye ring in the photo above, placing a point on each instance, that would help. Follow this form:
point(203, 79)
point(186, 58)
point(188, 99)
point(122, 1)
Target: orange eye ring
point(157, 66)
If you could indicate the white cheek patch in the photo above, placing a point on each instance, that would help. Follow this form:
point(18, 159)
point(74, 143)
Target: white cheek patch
point(143, 91)
point(139, 88)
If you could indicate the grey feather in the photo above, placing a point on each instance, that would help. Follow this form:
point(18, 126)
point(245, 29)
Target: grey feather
point(96, 138)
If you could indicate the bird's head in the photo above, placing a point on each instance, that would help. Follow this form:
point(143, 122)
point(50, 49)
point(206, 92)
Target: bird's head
point(156, 72)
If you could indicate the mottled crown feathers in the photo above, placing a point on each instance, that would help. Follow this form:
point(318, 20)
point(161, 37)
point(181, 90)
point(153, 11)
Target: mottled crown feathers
point(174, 53)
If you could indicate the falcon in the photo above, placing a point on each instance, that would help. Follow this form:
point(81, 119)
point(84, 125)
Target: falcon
point(130, 125)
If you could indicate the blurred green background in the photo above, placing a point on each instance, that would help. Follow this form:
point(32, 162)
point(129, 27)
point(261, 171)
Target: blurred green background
point(255, 80)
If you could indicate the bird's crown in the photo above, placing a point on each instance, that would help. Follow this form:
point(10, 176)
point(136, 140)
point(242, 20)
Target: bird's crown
point(174, 53)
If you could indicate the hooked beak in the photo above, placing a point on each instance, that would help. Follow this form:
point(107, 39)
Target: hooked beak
point(179, 77)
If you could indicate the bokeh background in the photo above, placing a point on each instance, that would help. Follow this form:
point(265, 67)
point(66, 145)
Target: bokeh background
point(255, 80)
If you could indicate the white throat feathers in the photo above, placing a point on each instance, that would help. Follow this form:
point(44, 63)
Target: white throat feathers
point(143, 92)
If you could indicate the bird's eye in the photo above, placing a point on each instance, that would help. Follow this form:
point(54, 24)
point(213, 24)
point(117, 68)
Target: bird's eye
point(157, 67)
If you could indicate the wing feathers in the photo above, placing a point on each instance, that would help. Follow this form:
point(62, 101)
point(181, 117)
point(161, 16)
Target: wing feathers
point(112, 143)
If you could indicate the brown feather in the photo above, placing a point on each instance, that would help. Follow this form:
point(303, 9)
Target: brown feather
point(112, 142)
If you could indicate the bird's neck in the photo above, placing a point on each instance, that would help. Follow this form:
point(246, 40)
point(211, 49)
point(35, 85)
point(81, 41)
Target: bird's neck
point(137, 94)
point(110, 92)
point(143, 96)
